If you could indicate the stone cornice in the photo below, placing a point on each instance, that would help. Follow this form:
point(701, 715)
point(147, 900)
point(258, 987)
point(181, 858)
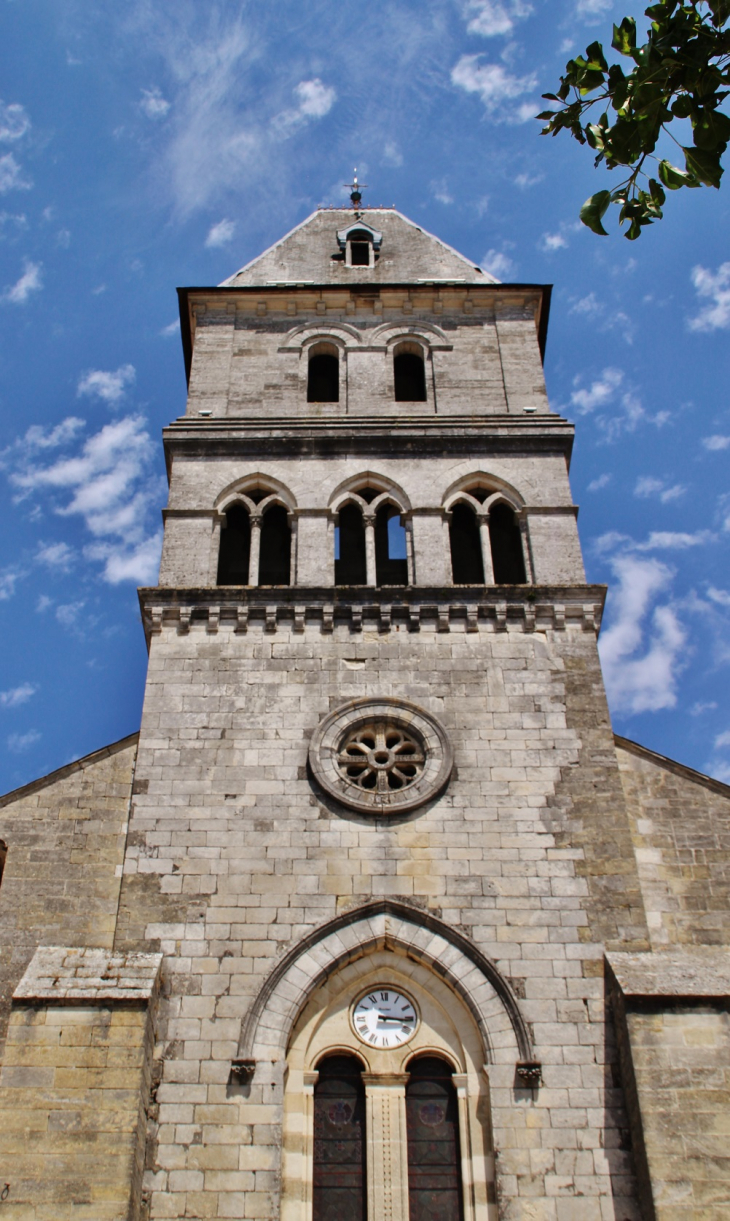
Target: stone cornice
point(438, 608)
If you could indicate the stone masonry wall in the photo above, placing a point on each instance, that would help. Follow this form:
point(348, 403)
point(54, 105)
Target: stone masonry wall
point(233, 856)
point(680, 823)
point(65, 835)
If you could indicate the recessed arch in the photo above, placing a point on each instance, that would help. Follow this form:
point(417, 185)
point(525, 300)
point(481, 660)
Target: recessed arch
point(342, 334)
point(421, 936)
point(241, 489)
point(387, 489)
point(495, 488)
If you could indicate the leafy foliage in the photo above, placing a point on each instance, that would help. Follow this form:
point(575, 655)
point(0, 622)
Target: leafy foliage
point(681, 72)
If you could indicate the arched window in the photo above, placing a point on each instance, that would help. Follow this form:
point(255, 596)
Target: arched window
point(235, 547)
point(508, 560)
point(339, 1186)
point(467, 564)
point(391, 556)
point(323, 375)
point(275, 553)
point(434, 1156)
point(409, 373)
point(350, 556)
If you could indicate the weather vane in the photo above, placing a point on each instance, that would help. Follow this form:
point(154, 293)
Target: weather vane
point(356, 188)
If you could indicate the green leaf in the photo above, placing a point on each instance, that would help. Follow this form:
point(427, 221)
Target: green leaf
point(672, 177)
point(657, 193)
point(704, 165)
point(593, 211)
point(596, 56)
point(624, 36)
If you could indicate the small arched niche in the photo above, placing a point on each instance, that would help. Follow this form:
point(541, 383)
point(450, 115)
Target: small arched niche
point(508, 560)
point(275, 547)
point(467, 564)
point(323, 373)
point(350, 549)
point(409, 373)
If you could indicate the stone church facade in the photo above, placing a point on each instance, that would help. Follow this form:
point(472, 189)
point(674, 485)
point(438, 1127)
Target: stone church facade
point(375, 917)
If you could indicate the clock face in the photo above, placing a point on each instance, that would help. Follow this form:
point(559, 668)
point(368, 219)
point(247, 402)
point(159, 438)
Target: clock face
point(384, 1018)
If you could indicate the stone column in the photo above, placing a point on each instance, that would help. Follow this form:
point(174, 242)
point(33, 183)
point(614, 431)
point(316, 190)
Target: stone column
point(294, 531)
point(310, 1080)
point(255, 549)
point(370, 549)
point(525, 539)
point(407, 522)
point(387, 1146)
point(460, 1081)
point(483, 519)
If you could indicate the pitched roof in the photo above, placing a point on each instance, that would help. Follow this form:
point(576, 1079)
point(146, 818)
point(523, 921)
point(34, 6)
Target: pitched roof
point(311, 253)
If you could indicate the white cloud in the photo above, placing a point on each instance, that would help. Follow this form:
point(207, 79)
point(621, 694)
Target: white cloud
point(392, 154)
point(37, 437)
point(172, 328)
point(674, 540)
point(592, 8)
point(602, 481)
point(14, 121)
point(492, 17)
point(220, 234)
point(722, 739)
point(110, 387)
point(716, 442)
point(720, 596)
point(8, 580)
point(315, 99)
point(716, 287)
point(43, 603)
point(30, 281)
point(17, 695)
point(11, 175)
point(498, 264)
point(495, 86)
point(109, 485)
point(153, 104)
point(523, 181)
point(643, 647)
point(700, 707)
point(19, 742)
point(553, 241)
point(68, 615)
point(609, 318)
point(599, 393)
point(55, 555)
point(649, 485)
point(140, 565)
point(441, 191)
point(720, 771)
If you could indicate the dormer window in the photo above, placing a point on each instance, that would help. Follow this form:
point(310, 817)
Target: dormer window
point(360, 244)
point(359, 250)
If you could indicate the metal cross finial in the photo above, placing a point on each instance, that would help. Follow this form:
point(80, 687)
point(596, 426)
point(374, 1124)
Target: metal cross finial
point(356, 189)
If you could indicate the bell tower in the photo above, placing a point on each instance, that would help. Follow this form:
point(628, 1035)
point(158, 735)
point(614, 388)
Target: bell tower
point(378, 832)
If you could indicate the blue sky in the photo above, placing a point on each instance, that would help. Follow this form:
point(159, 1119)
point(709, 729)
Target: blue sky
point(154, 143)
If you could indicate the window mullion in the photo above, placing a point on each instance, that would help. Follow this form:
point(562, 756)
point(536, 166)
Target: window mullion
point(387, 1146)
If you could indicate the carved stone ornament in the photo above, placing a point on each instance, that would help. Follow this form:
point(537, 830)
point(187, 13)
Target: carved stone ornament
point(381, 756)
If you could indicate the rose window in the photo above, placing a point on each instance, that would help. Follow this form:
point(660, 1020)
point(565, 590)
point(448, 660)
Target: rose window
point(380, 756)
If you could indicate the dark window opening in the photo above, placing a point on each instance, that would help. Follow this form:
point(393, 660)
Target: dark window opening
point(410, 378)
point(235, 547)
point(391, 557)
point(323, 380)
point(3, 857)
point(350, 561)
point(339, 1183)
point(434, 1156)
point(506, 542)
point(275, 553)
point(360, 254)
point(257, 495)
point(467, 565)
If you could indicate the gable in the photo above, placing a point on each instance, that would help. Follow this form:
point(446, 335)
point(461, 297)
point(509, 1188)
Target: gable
point(312, 253)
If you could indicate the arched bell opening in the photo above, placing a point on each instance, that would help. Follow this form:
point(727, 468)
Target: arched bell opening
point(409, 374)
point(275, 548)
point(391, 549)
point(323, 374)
point(467, 564)
point(350, 550)
point(235, 547)
point(505, 539)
